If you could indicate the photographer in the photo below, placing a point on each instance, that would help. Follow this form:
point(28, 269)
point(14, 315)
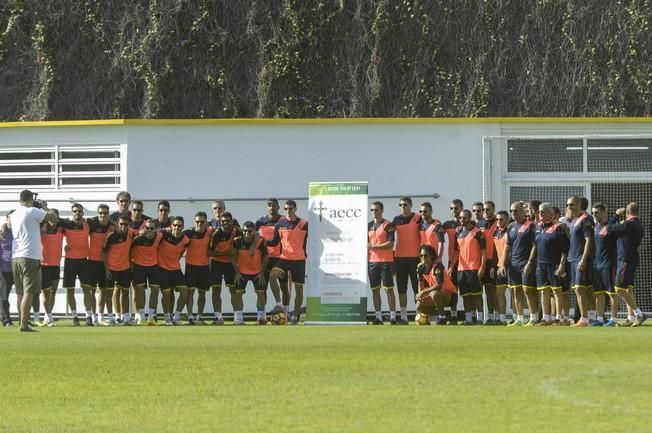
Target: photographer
point(25, 225)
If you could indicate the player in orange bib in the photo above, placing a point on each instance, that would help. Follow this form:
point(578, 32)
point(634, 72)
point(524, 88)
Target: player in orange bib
point(117, 263)
point(380, 257)
point(145, 270)
point(100, 226)
point(487, 226)
point(220, 248)
point(265, 227)
point(435, 285)
point(471, 249)
point(51, 249)
point(76, 232)
point(291, 233)
point(170, 250)
point(406, 252)
point(249, 267)
point(500, 242)
point(197, 266)
point(450, 228)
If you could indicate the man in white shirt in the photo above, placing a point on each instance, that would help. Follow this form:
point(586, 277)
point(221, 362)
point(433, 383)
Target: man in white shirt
point(25, 224)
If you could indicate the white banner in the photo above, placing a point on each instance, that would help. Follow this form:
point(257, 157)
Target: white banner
point(337, 252)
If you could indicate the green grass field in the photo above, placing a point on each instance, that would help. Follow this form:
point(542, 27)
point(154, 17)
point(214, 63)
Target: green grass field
point(326, 379)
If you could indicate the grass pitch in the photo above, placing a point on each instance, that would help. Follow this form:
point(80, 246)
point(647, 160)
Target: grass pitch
point(326, 379)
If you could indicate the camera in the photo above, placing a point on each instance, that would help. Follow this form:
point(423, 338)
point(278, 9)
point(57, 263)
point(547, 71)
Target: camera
point(38, 204)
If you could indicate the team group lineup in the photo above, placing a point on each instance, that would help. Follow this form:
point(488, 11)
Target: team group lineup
point(533, 251)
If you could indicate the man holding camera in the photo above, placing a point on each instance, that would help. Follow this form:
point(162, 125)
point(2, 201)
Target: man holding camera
point(25, 224)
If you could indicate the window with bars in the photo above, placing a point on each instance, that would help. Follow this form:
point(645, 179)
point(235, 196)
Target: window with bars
point(588, 155)
point(61, 167)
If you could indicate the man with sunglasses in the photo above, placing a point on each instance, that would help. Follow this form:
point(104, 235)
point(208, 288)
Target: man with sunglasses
point(249, 267)
point(75, 265)
point(380, 256)
point(145, 270)
point(477, 213)
point(488, 226)
point(138, 218)
point(472, 261)
point(118, 266)
point(291, 233)
point(500, 243)
point(430, 230)
point(450, 228)
point(170, 250)
point(51, 247)
point(163, 221)
point(265, 228)
point(406, 253)
point(197, 265)
point(220, 249)
point(99, 228)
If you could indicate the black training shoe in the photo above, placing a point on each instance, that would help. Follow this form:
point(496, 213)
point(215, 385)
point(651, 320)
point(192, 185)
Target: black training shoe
point(377, 322)
point(89, 321)
point(403, 322)
point(27, 329)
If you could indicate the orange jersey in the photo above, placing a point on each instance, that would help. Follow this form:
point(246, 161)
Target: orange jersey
point(265, 227)
point(429, 233)
point(488, 228)
point(450, 227)
point(408, 238)
point(470, 244)
point(98, 234)
point(379, 234)
point(51, 246)
point(437, 276)
point(197, 250)
point(117, 247)
point(76, 239)
point(221, 241)
point(144, 251)
point(500, 242)
point(170, 250)
point(248, 264)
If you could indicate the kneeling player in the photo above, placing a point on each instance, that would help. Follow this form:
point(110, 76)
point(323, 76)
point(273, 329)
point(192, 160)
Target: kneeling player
point(435, 285)
point(249, 267)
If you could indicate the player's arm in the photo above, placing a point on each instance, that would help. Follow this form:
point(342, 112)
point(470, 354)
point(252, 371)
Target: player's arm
point(105, 255)
point(441, 238)
point(265, 259)
point(588, 247)
point(483, 255)
point(276, 238)
point(617, 225)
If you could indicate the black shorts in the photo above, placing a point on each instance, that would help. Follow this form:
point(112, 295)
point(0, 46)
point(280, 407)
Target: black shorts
point(501, 282)
point(625, 275)
point(149, 276)
point(546, 278)
point(119, 280)
point(406, 268)
point(73, 269)
point(603, 280)
point(380, 273)
point(517, 278)
point(49, 274)
point(219, 271)
point(297, 269)
point(581, 279)
point(198, 277)
point(97, 274)
point(241, 284)
point(172, 280)
point(468, 283)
